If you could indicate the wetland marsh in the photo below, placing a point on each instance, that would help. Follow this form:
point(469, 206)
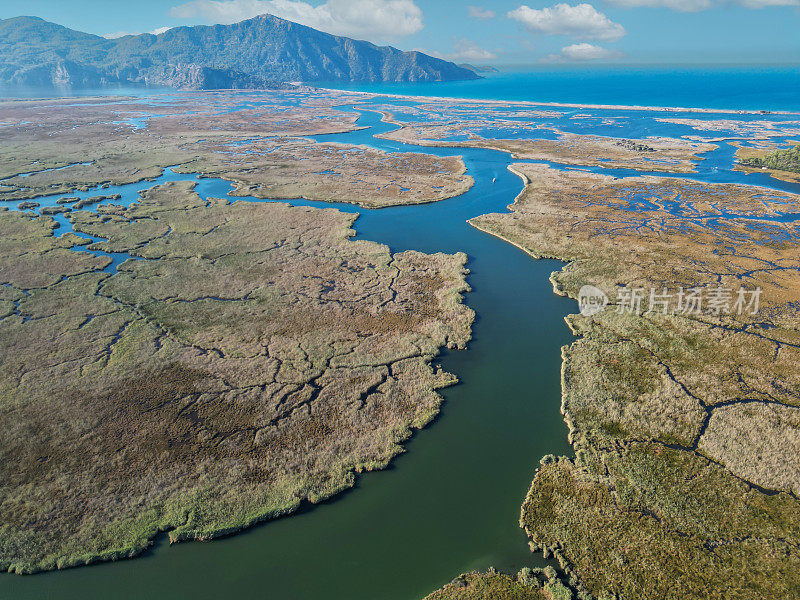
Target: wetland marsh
point(451, 504)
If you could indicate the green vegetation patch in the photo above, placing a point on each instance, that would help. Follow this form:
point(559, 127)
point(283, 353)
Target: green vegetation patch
point(787, 159)
point(651, 522)
point(529, 584)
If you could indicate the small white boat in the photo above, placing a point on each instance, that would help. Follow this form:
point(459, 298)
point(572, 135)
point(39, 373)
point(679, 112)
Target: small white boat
point(495, 179)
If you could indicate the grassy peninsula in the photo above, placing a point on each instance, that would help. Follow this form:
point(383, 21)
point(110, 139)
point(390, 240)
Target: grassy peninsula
point(248, 358)
point(783, 164)
point(787, 159)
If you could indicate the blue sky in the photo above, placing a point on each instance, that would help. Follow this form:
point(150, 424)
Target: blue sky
point(497, 32)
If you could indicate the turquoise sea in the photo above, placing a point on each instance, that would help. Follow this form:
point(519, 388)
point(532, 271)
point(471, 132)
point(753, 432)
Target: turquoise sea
point(724, 86)
point(752, 87)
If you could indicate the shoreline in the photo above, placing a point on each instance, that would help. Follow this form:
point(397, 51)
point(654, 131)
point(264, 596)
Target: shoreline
point(632, 107)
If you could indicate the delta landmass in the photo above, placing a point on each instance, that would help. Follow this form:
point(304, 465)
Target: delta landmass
point(193, 364)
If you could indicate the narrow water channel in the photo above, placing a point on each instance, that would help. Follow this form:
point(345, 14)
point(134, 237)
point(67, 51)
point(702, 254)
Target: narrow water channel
point(451, 503)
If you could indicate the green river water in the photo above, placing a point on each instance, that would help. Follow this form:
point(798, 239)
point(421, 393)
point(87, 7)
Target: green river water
point(451, 503)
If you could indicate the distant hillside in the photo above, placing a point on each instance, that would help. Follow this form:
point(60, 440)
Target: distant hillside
point(479, 68)
point(259, 52)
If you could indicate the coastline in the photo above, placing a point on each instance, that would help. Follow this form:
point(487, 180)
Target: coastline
point(532, 103)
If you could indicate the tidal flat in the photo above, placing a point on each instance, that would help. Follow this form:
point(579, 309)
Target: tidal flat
point(193, 283)
point(669, 154)
point(261, 146)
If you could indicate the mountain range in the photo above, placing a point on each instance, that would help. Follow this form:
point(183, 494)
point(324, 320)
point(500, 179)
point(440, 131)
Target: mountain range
point(261, 52)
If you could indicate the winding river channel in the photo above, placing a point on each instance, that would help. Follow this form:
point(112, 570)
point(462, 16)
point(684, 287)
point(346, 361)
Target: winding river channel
point(451, 503)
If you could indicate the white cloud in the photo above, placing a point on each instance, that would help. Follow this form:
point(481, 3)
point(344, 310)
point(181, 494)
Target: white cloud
point(119, 34)
point(698, 5)
point(376, 20)
point(464, 51)
point(478, 12)
point(584, 51)
point(768, 3)
point(681, 5)
point(581, 21)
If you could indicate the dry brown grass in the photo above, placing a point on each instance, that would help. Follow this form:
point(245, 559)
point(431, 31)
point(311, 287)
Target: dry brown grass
point(257, 358)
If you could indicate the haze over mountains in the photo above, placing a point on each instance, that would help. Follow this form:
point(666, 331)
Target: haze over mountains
point(256, 53)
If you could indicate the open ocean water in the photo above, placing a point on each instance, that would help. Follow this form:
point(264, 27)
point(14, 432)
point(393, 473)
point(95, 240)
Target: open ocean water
point(741, 88)
point(752, 87)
